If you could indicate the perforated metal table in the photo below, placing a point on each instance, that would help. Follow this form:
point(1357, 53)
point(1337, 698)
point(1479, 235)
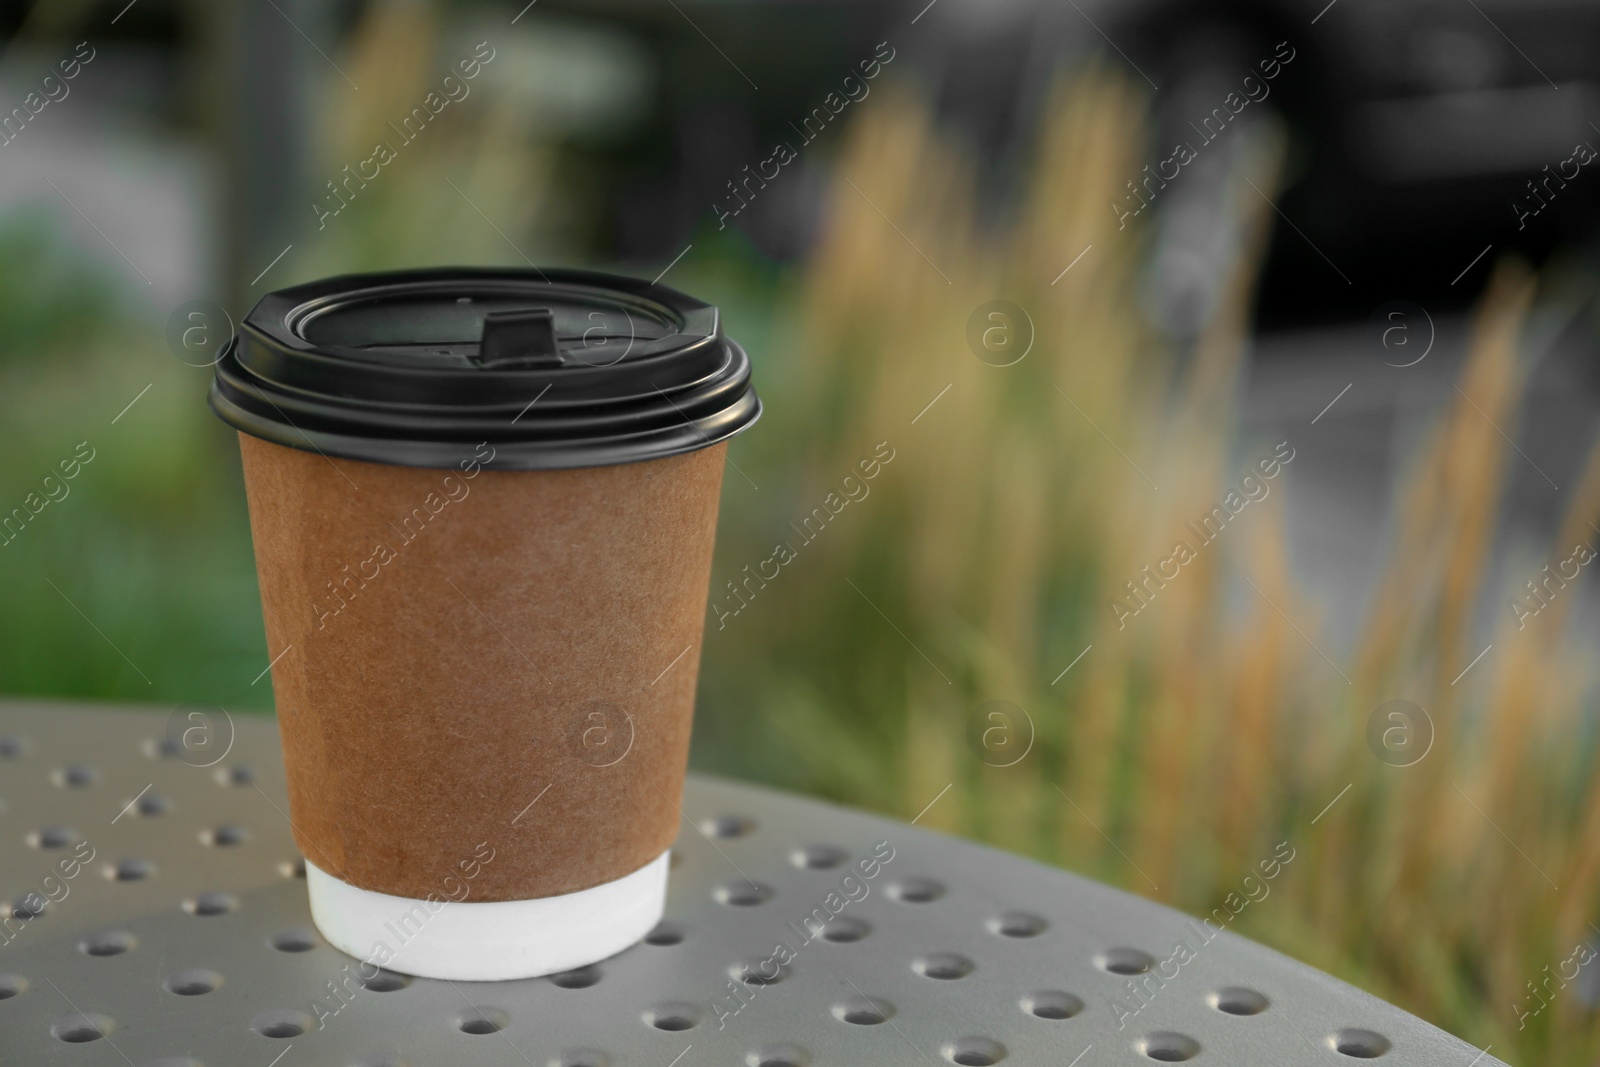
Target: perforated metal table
point(185, 940)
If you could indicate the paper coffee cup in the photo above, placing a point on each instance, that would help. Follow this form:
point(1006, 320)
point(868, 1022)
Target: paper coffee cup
point(483, 506)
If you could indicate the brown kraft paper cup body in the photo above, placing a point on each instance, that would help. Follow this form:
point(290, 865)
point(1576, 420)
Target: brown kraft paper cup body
point(457, 643)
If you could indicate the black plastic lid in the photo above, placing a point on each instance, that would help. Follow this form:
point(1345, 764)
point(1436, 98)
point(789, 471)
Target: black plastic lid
point(555, 369)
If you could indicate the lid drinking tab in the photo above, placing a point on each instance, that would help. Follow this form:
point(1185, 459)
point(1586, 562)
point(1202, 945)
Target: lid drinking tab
point(519, 339)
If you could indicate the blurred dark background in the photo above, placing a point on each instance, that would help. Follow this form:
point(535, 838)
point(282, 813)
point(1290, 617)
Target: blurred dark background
point(1417, 124)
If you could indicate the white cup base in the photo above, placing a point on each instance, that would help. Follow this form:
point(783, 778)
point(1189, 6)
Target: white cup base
point(476, 941)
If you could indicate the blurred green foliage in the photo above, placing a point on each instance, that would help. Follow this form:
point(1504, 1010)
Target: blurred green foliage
point(70, 300)
point(135, 582)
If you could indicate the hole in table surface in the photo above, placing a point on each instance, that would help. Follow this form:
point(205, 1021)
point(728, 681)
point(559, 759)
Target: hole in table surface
point(863, 1011)
point(1018, 924)
point(130, 870)
point(845, 930)
point(12, 746)
point(764, 971)
point(162, 747)
point(1358, 1044)
point(783, 1055)
point(742, 894)
point(224, 836)
point(818, 857)
point(152, 804)
point(53, 837)
point(577, 978)
point(1237, 1000)
point(193, 982)
point(75, 776)
point(665, 933)
point(28, 906)
point(295, 868)
point(581, 1057)
point(108, 943)
point(293, 940)
point(974, 1051)
point(728, 826)
point(238, 774)
point(482, 1021)
point(211, 904)
point(945, 966)
point(281, 1023)
point(12, 985)
point(384, 982)
point(1052, 1004)
point(1124, 961)
point(80, 1027)
point(1166, 1046)
point(673, 1016)
point(915, 890)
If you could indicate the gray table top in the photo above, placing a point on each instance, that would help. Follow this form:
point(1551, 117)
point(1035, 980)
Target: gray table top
point(182, 938)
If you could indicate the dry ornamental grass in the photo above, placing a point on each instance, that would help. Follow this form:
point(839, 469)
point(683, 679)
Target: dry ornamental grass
point(1199, 732)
